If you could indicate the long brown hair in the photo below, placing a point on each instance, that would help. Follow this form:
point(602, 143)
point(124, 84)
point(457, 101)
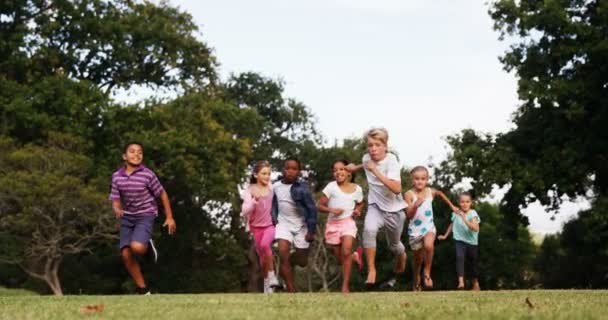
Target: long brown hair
point(257, 168)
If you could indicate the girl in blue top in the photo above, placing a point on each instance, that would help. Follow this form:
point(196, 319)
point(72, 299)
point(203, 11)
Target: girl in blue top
point(465, 226)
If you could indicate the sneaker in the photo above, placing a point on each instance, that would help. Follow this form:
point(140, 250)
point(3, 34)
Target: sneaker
point(152, 254)
point(143, 291)
point(389, 283)
point(273, 282)
point(267, 288)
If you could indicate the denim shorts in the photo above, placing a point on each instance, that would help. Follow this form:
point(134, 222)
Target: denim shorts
point(135, 228)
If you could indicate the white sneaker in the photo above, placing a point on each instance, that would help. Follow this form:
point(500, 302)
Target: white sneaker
point(273, 282)
point(267, 288)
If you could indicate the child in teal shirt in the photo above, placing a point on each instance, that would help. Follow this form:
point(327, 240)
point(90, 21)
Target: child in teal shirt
point(465, 225)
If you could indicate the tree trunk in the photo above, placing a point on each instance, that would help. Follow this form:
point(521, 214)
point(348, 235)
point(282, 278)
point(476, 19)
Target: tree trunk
point(255, 270)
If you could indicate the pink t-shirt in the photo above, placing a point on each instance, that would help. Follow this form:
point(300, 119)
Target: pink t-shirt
point(257, 213)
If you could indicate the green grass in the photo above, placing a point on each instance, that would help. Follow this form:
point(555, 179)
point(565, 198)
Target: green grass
point(402, 305)
point(15, 292)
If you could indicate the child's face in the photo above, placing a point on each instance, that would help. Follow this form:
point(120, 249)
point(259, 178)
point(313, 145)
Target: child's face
point(340, 173)
point(376, 149)
point(134, 155)
point(420, 179)
point(291, 171)
point(263, 176)
point(465, 203)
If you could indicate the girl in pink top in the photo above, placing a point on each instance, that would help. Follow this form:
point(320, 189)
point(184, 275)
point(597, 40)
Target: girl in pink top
point(257, 203)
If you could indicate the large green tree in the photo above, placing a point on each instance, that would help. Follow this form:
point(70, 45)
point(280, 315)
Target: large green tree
point(50, 209)
point(558, 148)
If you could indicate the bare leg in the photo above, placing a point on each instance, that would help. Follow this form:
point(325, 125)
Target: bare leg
point(476, 285)
point(418, 257)
point(370, 254)
point(347, 261)
point(286, 272)
point(132, 267)
point(429, 250)
point(460, 283)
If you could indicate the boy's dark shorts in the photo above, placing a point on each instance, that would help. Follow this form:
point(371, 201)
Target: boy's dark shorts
point(135, 228)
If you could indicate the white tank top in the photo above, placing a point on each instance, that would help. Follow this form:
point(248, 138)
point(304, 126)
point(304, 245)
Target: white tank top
point(422, 222)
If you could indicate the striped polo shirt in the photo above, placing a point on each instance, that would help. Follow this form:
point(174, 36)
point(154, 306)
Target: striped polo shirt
point(137, 192)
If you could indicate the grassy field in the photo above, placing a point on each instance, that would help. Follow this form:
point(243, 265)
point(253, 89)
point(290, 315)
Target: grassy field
point(398, 305)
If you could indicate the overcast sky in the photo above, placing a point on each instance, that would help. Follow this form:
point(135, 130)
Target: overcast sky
point(422, 69)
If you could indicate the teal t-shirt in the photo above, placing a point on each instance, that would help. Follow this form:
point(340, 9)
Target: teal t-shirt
point(461, 231)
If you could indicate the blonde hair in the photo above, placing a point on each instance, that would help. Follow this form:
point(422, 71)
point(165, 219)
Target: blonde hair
point(377, 134)
point(418, 169)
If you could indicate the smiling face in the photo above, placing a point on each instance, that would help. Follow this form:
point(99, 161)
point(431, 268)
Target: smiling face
point(420, 178)
point(291, 171)
point(133, 155)
point(263, 176)
point(376, 149)
point(340, 173)
point(465, 202)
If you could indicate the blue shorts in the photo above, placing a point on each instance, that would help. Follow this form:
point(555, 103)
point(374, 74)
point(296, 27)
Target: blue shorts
point(135, 228)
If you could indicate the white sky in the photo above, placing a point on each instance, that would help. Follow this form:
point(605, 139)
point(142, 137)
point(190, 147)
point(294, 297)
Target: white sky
point(422, 69)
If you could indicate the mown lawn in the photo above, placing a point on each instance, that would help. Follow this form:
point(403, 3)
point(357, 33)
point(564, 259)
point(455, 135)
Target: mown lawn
point(398, 305)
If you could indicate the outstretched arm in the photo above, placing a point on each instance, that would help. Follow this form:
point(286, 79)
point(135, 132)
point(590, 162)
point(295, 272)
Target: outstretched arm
point(447, 233)
point(445, 199)
point(354, 167)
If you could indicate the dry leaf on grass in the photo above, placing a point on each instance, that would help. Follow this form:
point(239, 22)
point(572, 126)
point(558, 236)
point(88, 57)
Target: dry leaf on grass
point(92, 308)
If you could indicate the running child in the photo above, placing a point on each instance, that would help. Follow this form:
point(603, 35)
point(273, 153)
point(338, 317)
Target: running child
point(421, 229)
point(133, 195)
point(343, 200)
point(257, 203)
point(465, 226)
point(295, 216)
point(385, 204)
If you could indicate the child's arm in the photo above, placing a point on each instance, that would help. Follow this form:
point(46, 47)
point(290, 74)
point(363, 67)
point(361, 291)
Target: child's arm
point(445, 199)
point(358, 209)
point(393, 185)
point(353, 167)
point(473, 224)
point(447, 233)
point(323, 206)
point(117, 207)
point(169, 222)
point(249, 203)
point(311, 215)
point(411, 206)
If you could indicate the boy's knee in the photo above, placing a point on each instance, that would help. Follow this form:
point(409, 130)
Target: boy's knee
point(369, 237)
point(138, 248)
point(397, 248)
point(126, 254)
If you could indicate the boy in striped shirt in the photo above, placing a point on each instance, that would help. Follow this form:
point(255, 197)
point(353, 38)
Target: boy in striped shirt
point(133, 195)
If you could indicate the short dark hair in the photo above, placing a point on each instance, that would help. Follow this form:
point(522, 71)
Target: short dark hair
point(293, 159)
point(130, 143)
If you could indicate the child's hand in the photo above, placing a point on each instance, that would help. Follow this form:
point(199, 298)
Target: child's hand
point(337, 211)
point(442, 237)
point(118, 212)
point(371, 166)
point(170, 224)
point(356, 213)
point(310, 237)
point(418, 203)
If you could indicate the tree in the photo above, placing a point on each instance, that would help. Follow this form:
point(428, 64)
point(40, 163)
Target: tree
point(113, 44)
point(559, 147)
point(49, 208)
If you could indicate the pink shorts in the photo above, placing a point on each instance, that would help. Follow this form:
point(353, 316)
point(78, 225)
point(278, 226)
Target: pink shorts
point(336, 229)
